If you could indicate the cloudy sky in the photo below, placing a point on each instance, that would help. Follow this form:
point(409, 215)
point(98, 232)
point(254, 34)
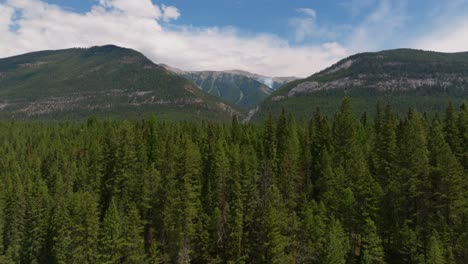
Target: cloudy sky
point(270, 37)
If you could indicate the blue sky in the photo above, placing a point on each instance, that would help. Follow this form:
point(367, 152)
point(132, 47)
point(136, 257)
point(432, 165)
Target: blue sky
point(274, 16)
point(271, 37)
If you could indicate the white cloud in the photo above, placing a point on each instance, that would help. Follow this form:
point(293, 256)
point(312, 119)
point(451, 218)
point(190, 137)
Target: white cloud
point(31, 25)
point(137, 25)
point(381, 28)
point(449, 28)
point(307, 11)
point(304, 26)
point(452, 38)
point(170, 13)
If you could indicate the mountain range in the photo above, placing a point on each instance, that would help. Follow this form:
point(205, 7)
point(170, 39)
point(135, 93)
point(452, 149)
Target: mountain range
point(107, 81)
point(115, 82)
point(242, 88)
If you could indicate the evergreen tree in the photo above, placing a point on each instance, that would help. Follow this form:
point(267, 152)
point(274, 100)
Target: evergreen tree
point(132, 247)
point(435, 254)
point(275, 225)
point(372, 250)
point(85, 228)
point(446, 176)
point(414, 163)
point(14, 212)
point(451, 130)
point(462, 124)
point(314, 232)
point(36, 218)
point(235, 217)
point(336, 244)
point(344, 129)
point(111, 241)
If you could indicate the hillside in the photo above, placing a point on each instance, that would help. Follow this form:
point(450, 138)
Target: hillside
point(405, 78)
point(242, 88)
point(106, 81)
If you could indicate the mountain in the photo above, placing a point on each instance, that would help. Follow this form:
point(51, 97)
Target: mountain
point(242, 88)
point(272, 82)
point(107, 81)
point(405, 78)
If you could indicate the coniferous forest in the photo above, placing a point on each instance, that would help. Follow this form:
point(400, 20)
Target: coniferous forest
point(383, 189)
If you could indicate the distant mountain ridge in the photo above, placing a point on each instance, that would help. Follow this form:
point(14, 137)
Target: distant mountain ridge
point(406, 78)
point(242, 88)
point(107, 81)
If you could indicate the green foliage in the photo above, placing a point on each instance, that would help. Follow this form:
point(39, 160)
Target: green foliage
point(336, 244)
point(372, 249)
point(392, 189)
point(435, 254)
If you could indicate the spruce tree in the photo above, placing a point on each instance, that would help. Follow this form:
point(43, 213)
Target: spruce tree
point(372, 250)
point(314, 232)
point(446, 176)
point(462, 124)
point(336, 244)
point(132, 248)
point(275, 224)
point(111, 241)
point(235, 217)
point(435, 253)
point(452, 132)
point(14, 223)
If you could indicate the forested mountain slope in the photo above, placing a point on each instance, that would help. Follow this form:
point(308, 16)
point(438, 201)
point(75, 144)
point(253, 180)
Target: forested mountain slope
point(242, 88)
point(393, 189)
point(105, 81)
point(406, 78)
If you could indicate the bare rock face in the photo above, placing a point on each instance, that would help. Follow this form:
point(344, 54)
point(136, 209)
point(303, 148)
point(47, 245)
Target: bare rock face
point(313, 86)
point(343, 66)
point(305, 87)
point(384, 83)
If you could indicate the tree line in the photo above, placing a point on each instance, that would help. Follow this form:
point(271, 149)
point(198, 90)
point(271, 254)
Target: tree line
point(387, 189)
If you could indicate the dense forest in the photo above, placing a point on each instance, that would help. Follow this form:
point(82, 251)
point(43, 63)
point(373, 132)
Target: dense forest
point(388, 189)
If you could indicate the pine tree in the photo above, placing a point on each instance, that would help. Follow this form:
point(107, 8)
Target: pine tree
point(385, 147)
point(217, 202)
point(321, 139)
point(414, 163)
point(344, 129)
point(132, 249)
point(446, 175)
point(462, 124)
point(410, 245)
point(187, 205)
point(336, 244)
point(61, 224)
point(288, 177)
point(236, 129)
point(333, 191)
point(85, 227)
point(435, 254)
point(451, 130)
point(111, 240)
point(36, 219)
point(250, 199)
point(235, 217)
point(314, 232)
point(372, 250)
point(275, 225)
point(14, 212)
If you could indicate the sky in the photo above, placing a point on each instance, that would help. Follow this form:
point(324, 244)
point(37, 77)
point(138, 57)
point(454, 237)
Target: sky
point(269, 37)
